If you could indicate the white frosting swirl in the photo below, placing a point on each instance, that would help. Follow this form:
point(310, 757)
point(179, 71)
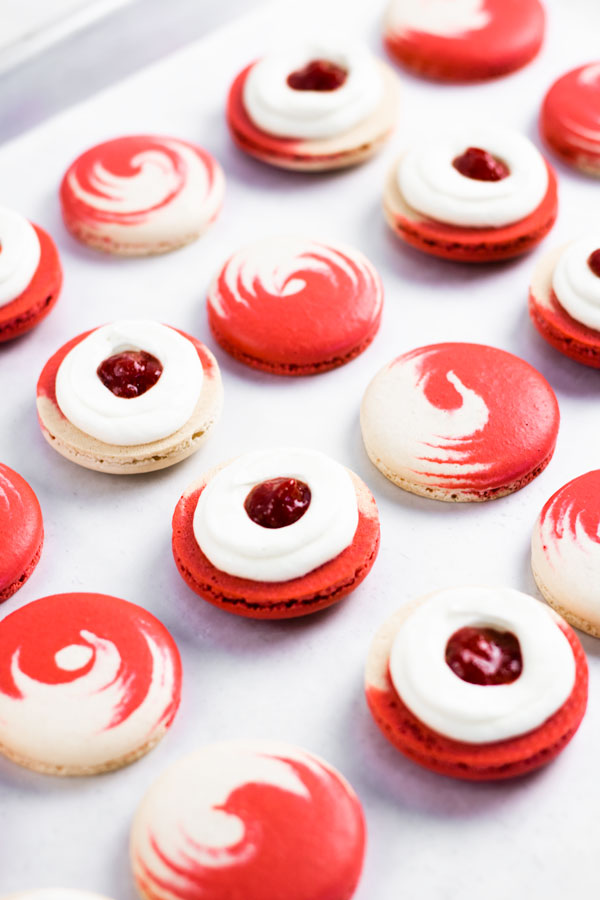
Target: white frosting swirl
point(278, 109)
point(432, 186)
point(474, 713)
point(89, 405)
point(19, 254)
point(235, 544)
point(440, 17)
point(575, 285)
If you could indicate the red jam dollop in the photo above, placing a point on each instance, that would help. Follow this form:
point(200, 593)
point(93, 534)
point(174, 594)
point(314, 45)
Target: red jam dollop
point(480, 165)
point(594, 262)
point(129, 374)
point(278, 502)
point(484, 656)
point(317, 75)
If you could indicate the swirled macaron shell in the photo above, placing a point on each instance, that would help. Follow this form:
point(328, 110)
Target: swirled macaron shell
point(459, 422)
point(299, 596)
point(554, 323)
point(88, 683)
point(464, 40)
point(565, 552)
point(21, 531)
point(35, 302)
point(251, 819)
point(87, 451)
point(141, 194)
point(468, 244)
point(294, 306)
point(349, 148)
point(458, 759)
point(570, 118)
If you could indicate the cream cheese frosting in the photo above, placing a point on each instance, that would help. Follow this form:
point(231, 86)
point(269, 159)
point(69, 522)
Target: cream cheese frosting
point(576, 287)
point(239, 546)
point(432, 186)
point(473, 713)
point(20, 254)
point(279, 109)
point(89, 405)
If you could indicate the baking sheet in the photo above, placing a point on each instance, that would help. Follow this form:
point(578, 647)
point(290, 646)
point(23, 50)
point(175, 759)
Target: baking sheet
point(301, 681)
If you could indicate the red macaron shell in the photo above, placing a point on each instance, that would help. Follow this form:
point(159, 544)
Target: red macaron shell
point(511, 38)
point(482, 762)
point(562, 331)
point(282, 599)
point(328, 322)
point(46, 386)
point(38, 298)
point(570, 117)
point(21, 531)
point(479, 244)
point(251, 138)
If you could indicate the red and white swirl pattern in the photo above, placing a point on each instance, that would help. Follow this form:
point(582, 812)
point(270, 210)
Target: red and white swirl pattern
point(86, 680)
point(566, 548)
point(142, 189)
point(292, 298)
point(255, 820)
point(459, 416)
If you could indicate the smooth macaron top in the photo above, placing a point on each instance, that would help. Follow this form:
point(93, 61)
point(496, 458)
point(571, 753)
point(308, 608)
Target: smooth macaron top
point(570, 115)
point(565, 551)
point(456, 417)
point(464, 39)
point(21, 530)
point(87, 682)
point(143, 193)
point(256, 819)
point(292, 304)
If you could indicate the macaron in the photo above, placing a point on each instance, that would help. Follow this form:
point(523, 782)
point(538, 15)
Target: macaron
point(565, 552)
point(478, 683)
point(129, 410)
point(313, 105)
point(88, 683)
point(464, 40)
point(141, 194)
point(30, 276)
point(459, 422)
point(294, 306)
point(477, 194)
point(252, 819)
point(570, 118)
point(276, 534)
point(564, 299)
point(21, 531)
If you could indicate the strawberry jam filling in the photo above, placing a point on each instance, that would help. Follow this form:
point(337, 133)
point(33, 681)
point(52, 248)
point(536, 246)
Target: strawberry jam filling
point(484, 656)
point(317, 75)
point(480, 165)
point(129, 374)
point(278, 502)
point(594, 262)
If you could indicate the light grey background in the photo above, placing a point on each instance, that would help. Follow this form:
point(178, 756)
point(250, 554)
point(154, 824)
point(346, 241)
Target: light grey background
point(429, 837)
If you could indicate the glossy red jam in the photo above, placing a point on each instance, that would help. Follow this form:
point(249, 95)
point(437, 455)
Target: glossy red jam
point(480, 165)
point(594, 262)
point(484, 655)
point(129, 374)
point(317, 75)
point(278, 502)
